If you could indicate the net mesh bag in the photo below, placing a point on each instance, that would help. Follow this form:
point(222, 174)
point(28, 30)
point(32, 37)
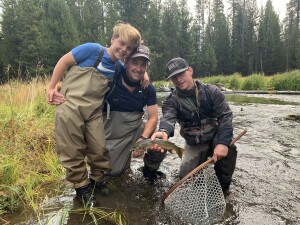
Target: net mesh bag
point(199, 199)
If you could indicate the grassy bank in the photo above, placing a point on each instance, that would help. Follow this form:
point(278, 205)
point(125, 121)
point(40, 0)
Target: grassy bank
point(289, 81)
point(28, 160)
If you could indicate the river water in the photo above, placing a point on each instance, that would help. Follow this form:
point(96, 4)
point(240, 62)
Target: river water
point(266, 183)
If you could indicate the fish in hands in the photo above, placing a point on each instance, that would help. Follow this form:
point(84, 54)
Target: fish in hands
point(147, 144)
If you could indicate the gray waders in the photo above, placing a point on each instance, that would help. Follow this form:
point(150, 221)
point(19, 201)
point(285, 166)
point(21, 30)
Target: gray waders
point(122, 131)
point(194, 155)
point(79, 126)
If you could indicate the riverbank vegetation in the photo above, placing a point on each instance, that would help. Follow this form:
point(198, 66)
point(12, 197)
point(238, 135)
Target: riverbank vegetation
point(289, 81)
point(30, 172)
point(28, 160)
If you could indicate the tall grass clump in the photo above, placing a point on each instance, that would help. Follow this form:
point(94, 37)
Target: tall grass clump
point(219, 79)
point(287, 81)
point(162, 83)
point(28, 159)
point(235, 81)
point(254, 82)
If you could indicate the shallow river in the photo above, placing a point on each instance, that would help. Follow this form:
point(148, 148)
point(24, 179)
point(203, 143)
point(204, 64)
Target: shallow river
point(266, 182)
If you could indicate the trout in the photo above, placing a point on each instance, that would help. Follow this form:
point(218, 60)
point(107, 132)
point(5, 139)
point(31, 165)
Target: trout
point(166, 145)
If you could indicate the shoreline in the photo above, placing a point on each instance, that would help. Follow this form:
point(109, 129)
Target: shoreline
point(251, 92)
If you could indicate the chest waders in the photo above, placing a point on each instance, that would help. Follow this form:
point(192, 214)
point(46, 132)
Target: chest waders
point(119, 141)
point(130, 128)
point(79, 126)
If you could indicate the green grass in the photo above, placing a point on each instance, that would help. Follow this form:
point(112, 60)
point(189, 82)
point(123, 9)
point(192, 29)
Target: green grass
point(28, 159)
point(289, 81)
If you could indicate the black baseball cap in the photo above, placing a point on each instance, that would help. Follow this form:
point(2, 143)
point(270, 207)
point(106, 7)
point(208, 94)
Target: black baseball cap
point(175, 66)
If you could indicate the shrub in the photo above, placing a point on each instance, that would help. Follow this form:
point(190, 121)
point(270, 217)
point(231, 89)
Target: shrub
point(254, 82)
point(287, 81)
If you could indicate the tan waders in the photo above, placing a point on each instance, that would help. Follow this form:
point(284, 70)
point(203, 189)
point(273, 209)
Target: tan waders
point(79, 126)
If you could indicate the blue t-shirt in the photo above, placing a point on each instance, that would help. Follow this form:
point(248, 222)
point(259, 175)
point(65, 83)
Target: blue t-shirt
point(122, 100)
point(87, 54)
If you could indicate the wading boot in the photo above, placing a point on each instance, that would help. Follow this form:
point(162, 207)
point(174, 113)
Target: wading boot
point(225, 188)
point(226, 192)
point(151, 175)
point(86, 196)
point(100, 186)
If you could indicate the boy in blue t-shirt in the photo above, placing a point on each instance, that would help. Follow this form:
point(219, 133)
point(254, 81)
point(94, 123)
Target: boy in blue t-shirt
point(79, 120)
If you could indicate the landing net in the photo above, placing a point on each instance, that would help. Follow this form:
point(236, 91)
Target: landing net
point(199, 199)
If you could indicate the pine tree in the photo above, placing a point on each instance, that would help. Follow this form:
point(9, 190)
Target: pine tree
point(292, 35)
point(135, 12)
point(185, 39)
point(220, 37)
point(153, 39)
point(208, 60)
point(198, 34)
point(9, 39)
point(270, 45)
point(59, 34)
point(170, 30)
point(110, 17)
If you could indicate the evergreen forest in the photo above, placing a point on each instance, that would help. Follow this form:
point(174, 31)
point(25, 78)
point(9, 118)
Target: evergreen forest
point(245, 39)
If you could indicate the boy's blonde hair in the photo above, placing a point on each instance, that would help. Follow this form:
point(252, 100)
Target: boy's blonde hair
point(128, 33)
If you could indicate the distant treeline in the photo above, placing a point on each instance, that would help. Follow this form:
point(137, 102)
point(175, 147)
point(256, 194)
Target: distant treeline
point(36, 33)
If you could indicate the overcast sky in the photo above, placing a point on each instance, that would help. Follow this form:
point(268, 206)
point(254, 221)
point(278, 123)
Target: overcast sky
point(279, 5)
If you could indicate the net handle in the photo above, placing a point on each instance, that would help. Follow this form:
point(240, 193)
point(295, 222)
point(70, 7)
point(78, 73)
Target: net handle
point(209, 161)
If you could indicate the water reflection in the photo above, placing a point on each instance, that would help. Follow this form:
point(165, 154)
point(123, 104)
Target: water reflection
point(239, 99)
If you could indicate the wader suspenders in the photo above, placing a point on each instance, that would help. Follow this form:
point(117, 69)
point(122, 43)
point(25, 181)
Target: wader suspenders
point(99, 58)
point(113, 91)
point(208, 97)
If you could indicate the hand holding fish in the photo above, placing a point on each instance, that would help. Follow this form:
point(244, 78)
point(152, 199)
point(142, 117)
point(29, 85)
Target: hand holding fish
point(157, 144)
point(159, 135)
point(135, 152)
